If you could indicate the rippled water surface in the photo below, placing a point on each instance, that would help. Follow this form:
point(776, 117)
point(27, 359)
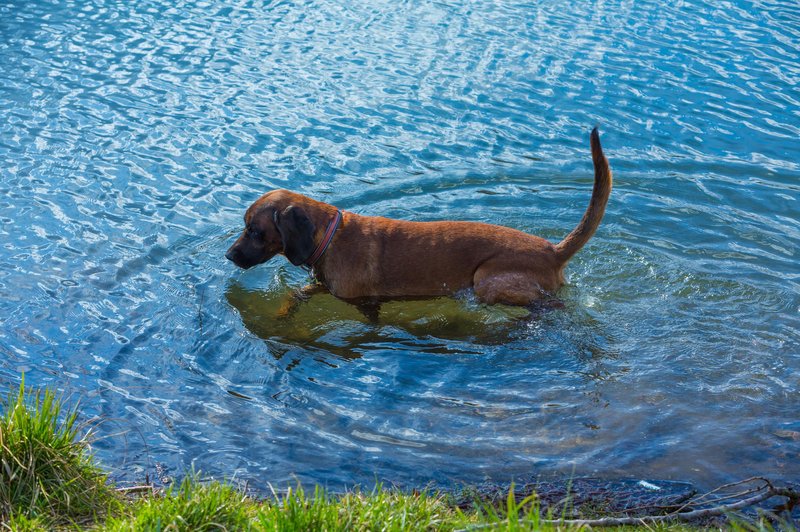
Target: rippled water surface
point(134, 134)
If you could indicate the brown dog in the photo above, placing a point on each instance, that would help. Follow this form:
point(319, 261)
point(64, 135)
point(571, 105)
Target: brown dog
point(365, 257)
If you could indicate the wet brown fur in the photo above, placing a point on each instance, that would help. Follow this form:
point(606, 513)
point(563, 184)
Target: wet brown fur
point(380, 258)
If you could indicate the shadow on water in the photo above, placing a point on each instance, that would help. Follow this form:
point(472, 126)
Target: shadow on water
point(326, 322)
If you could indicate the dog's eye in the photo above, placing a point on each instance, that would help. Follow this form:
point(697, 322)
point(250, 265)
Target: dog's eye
point(252, 232)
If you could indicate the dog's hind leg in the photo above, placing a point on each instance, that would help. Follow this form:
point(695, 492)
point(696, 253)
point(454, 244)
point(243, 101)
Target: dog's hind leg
point(508, 287)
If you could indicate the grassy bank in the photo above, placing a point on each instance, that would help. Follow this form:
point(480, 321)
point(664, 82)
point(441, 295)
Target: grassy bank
point(49, 480)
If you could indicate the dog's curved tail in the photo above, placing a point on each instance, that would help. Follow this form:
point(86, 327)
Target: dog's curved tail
point(597, 205)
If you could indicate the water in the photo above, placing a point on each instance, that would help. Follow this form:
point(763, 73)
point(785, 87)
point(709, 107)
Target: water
point(134, 134)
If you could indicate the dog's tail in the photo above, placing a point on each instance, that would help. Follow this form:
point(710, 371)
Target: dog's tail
point(597, 206)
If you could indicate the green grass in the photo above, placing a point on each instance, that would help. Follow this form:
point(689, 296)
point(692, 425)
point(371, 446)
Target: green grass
point(193, 505)
point(379, 510)
point(188, 506)
point(46, 472)
point(48, 480)
point(21, 523)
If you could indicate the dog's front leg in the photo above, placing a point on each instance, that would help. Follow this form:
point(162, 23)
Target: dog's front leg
point(369, 307)
point(291, 303)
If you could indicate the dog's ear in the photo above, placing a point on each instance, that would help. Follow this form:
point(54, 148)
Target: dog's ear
point(297, 234)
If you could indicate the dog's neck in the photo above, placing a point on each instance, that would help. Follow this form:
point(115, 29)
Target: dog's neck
point(333, 225)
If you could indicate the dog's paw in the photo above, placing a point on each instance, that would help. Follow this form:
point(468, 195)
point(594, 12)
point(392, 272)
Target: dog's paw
point(287, 308)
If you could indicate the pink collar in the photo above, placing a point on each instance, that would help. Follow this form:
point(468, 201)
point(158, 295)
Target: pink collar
point(326, 240)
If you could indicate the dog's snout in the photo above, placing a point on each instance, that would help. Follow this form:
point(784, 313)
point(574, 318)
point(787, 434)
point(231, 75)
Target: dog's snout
point(239, 257)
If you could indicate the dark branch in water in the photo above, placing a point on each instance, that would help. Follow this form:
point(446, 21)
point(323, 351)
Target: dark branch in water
point(766, 490)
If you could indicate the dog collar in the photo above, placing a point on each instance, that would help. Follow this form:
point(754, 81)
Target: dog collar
point(326, 240)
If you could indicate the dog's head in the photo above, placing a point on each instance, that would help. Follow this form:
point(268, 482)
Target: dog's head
point(278, 222)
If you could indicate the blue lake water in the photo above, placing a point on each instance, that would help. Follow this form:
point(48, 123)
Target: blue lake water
point(134, 134)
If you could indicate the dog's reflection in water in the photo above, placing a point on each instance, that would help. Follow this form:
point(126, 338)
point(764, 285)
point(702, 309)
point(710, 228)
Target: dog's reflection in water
point(324, 321)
